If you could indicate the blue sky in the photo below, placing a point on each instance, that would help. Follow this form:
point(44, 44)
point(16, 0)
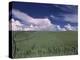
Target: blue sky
point(57, 14)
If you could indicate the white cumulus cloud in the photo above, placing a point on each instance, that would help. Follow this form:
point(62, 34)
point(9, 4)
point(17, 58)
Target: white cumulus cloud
point(72, 28)
point(28, 23)
point(16, 25)
point(60, 29)
point(33, 23)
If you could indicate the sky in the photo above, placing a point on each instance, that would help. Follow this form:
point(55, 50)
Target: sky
point(38, 16)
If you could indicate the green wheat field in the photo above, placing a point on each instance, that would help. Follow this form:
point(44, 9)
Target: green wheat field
point(41, 44)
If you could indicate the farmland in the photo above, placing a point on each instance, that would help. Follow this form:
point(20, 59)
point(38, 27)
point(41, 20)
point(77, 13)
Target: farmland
point(40, 44)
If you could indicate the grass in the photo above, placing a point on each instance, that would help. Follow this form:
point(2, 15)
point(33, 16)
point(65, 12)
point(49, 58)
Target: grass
point(37, 44)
